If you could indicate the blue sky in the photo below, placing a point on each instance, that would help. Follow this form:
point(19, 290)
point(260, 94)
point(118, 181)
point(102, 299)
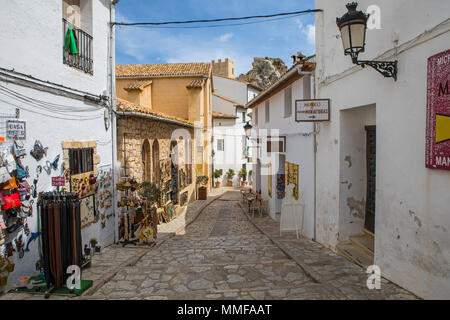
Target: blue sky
point(279, 38)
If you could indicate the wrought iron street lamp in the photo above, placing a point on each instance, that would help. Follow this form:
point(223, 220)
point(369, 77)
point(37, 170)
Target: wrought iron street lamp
point(248, 129)
point(353, 26)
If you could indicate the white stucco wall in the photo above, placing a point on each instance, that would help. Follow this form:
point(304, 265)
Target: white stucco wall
point(32, 43)
point(232, 89)
point(299, 150)
point(412, 219)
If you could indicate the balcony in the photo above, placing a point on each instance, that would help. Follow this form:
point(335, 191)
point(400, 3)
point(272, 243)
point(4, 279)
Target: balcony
point(77, 50)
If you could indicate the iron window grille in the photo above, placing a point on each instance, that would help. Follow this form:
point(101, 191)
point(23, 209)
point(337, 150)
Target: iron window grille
point(83, 59)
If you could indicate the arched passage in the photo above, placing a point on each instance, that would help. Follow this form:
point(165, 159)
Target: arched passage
point(155, 154)
point(146, 162)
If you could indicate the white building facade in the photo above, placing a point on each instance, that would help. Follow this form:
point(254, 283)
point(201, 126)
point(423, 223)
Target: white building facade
point(63, 98)
point(232, 149)
point(284, 143)
point(376, 139)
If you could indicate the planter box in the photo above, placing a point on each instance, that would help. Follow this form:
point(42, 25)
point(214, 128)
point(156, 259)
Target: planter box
point(202, 193)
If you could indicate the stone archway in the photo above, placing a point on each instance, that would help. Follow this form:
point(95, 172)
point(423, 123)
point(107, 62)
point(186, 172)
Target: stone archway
point(155, 166)
point(146, 161)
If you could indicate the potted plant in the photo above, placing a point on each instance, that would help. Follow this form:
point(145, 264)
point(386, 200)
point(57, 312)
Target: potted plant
point(243, 176)
point(151, 192)
point(217, 174)
point(202, 190)
point(93, 242)
point(230, 174)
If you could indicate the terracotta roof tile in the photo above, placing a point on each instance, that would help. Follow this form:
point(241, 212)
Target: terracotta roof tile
point(138, 85)
point(164, 69)
point(223, 116)
point(127, 106)
point(226, 99)
point(197, 83)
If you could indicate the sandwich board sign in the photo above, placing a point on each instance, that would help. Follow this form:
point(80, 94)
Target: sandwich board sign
point(312, 110)
point(438, 112)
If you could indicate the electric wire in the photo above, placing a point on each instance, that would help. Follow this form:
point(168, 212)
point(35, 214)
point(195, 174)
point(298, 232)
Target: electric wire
point(47, 115)
point(45, 108)
point(50, 104)
point(216, 25)
point(46, 81)
point(215, 20)
point(87, 117)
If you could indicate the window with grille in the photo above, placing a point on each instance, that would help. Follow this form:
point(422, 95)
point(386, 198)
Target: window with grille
point(220, 145)
point(81, 160)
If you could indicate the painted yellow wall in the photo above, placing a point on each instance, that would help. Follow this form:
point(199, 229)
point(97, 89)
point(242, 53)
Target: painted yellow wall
point(170, 96)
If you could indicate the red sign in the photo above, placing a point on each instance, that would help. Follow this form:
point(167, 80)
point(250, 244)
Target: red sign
point(438, 112)
point(58, 181)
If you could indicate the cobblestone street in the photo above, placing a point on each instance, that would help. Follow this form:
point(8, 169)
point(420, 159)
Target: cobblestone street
point(221, 254)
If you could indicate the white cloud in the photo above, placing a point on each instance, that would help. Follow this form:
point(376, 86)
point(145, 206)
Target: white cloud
point(309, 31)
point(225, 37)
point(311, 34)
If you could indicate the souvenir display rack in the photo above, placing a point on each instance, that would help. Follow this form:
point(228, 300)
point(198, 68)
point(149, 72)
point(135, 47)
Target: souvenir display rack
point(128, 202)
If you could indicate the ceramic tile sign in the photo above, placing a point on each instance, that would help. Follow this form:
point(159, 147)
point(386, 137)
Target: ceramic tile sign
point(438, 112)
point(58, 181)
point(16, 128)
point(312, 110)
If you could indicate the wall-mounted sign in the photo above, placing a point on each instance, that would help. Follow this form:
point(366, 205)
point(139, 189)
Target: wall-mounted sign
point(16, 128)
point(312, 110)
point(58, 181)
point(438, 112)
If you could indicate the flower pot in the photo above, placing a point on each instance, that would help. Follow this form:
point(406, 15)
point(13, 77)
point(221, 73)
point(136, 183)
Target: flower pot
point(98, 249)
point(87, 251)
point(217, 184)
point(10, 267)
point(243, 183)
point(3, 281)
point(202, 193)
point(229, 183)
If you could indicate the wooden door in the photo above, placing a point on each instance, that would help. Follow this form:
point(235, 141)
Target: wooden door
point(369, 223)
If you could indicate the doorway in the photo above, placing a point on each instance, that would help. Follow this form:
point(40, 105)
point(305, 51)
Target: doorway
point(369, 221)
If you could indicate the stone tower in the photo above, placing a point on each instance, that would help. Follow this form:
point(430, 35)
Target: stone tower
point(223, 68)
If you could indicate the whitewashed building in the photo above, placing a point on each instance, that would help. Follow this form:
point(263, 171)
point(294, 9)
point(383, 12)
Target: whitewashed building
point(232, 149)
point(372, 179)
point(281, 141)
point(62, 98)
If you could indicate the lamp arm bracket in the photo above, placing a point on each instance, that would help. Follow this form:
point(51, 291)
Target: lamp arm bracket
point(386, 68)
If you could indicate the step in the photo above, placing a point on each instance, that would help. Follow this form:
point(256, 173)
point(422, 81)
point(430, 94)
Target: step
point(365, 242)
point(355, 254)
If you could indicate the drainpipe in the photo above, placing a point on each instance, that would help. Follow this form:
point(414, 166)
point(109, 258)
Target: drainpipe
point(315, 132)
point(113, 114)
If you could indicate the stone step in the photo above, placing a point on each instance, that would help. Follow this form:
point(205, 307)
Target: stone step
point(365, 242)
point(355, 254)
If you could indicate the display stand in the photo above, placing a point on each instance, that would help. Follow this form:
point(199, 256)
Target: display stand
point(127, 236)
point(291, 212)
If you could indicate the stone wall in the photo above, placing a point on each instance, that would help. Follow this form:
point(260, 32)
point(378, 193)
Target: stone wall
point(131, 134)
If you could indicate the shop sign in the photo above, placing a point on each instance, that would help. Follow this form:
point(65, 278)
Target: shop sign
point(58, 181)
point(16, 128)
point(438, 112)
point(312, 110)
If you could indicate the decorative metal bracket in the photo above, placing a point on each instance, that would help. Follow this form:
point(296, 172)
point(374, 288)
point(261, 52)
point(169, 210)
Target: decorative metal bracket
point(386, 68)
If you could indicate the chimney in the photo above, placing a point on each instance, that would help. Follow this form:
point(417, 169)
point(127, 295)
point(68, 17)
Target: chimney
point(297, 58)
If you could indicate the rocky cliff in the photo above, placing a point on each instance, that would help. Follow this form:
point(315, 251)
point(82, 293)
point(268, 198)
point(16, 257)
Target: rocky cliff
point(265, 72)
